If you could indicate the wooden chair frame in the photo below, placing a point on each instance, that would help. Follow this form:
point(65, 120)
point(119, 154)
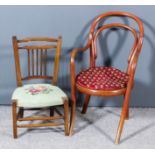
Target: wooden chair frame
point(37, 71)
point(132, 62)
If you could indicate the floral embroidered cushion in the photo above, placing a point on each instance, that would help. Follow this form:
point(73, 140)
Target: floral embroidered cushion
point(102, 78)
point(38, 95)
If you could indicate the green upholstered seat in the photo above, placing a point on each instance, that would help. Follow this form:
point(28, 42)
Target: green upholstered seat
point(38, 95)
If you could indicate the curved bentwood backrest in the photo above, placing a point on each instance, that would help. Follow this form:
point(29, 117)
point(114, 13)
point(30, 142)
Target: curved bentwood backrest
point(138, 37)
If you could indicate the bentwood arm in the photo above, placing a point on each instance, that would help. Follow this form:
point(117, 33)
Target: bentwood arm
point(72, 64)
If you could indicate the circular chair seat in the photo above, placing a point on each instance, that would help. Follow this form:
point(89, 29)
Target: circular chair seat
point(102, 78)
point(38, 95)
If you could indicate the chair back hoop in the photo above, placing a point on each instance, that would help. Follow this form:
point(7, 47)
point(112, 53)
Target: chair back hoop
point(36, 57)
point(138, 37)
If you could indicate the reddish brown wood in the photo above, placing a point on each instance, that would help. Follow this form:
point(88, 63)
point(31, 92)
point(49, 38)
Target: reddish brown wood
point(86, 102)
point(132, 62)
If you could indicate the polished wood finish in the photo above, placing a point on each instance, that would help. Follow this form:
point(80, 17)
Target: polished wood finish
point(132, 62)
point(37, 69)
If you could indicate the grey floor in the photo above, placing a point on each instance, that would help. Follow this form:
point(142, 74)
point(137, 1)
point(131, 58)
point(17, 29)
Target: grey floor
point(96, 129)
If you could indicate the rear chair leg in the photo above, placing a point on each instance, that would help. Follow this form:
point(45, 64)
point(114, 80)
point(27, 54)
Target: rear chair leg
point(66, 125)
point(14, 115)
point(51, 111)
point(72, 117)
point(86, 102)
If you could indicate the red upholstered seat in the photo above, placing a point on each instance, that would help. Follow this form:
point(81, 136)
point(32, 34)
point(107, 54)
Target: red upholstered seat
point(102, 78)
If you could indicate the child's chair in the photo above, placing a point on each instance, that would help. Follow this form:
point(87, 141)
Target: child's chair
point(106, 81)
point(37, 96)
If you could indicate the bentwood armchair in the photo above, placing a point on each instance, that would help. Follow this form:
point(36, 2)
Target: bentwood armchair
point(41, 95)
point(106, 81)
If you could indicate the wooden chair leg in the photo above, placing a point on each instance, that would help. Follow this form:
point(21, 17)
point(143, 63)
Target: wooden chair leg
point(14, 115)
point(86, 102)
point(72, 117)
point(66, 125)
point(127, 113)
point(124, 114)
point(120, 128)
point(51, 111)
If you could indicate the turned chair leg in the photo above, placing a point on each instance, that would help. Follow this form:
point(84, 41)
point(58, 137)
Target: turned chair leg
point(86, 102)
point(66, 125)
point(72, 118)
point(14, 115)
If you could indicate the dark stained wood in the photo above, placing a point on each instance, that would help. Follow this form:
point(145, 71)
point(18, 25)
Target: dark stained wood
point(132, 62)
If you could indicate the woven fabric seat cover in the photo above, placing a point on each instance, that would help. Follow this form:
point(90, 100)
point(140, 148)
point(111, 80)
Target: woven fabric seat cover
point(38, 95)
point(102, 78)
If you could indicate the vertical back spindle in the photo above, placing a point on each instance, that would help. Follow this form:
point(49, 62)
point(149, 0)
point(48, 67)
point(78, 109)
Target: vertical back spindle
point(37, 57)
point(45, 56)
point(28, 55)
point(41, 55)
point(32, 62)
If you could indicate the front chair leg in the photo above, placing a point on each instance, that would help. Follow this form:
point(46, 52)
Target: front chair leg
point(14, 115)
point(127, 111)
point(124, 115)
point(66, 117)
point(120, 128)
point(86, 102)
